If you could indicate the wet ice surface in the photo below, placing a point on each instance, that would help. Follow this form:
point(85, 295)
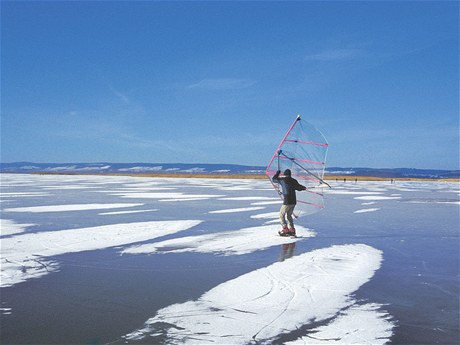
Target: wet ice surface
point(123, 259)
point(264, 303)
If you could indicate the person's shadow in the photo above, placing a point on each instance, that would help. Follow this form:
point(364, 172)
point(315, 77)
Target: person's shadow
point(287, 250)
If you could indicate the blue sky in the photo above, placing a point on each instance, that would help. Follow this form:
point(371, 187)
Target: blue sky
point(220, 82)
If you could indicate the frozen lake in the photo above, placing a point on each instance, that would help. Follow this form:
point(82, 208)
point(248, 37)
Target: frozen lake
point(99, 260)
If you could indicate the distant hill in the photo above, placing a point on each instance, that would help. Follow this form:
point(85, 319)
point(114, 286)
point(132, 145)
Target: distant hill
point(178, 168)
point(394, 173)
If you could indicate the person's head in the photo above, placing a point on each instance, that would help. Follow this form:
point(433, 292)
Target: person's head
point(287, 172)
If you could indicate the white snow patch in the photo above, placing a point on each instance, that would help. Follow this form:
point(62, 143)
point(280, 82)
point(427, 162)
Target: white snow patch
point(269, 215)
point(65, 208)
point(238, 242)
point(10, 227)
point(23, 194)
point(237, 188)
point(365, 210)
point(164, 196)
point(277, 202)
point(5, 311)
point(348, 192)
point(68, 187)
point(433, 202)
point(126, 212)
point(377, 197)
point(127, 190)
point(359, 324)
point(262, 304)
point(184, 199)
point(274, 221)
point(27, 256)
point(147, 184)
point(249, 198)
point(235, 210)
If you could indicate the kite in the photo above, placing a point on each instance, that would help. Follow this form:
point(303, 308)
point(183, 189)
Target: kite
point(303, 150)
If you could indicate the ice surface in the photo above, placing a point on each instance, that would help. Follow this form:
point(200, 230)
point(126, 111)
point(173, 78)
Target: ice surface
point(250, 198)
point(360, 324)
point(434, 202)
point(268, 215)
point(25, 256)
point(351, 192)
point(411, 231)
point(165, 196)
point(280, 298)
point(24, 195)
point(9, 227)
point(65, 208)
point(125, 212)
point(277, 202)
point(234, 210)
point(377, 197)
point(237, 242)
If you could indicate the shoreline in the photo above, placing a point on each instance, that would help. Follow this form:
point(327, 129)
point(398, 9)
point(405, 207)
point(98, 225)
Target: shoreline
point(338, 178)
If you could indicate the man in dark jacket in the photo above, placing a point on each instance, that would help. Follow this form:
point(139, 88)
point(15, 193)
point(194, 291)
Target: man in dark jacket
point(288, 185)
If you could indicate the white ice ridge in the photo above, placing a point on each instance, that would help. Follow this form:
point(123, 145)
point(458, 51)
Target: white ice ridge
point(126, 212)
point(234, 210)
point(265, 303)
point(365, 210)
point(269, 215)
point(359, 324)
point(23, 194)
point(249, 198)
point(10, 227)
point(64, 208)
point(237, 242)
point(27, 256)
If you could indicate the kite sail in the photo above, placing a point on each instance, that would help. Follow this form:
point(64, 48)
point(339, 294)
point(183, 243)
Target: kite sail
point(303, 150)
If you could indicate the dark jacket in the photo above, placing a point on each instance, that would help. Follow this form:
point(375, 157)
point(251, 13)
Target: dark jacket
point(289, 185)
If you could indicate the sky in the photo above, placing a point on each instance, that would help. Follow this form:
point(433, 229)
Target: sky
point(221, 81)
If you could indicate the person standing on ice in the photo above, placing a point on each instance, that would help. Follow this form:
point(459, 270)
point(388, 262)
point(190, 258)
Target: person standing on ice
point(289, 185)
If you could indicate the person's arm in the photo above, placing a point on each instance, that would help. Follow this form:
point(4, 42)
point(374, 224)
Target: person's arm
point(298, 186)
point(276, 176)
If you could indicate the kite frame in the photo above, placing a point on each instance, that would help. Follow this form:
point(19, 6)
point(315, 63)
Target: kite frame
point(279, 152)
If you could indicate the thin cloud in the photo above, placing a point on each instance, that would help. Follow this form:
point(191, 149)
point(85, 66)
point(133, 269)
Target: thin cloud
point(223, 84)
point(121, 96)
point(336, 55)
